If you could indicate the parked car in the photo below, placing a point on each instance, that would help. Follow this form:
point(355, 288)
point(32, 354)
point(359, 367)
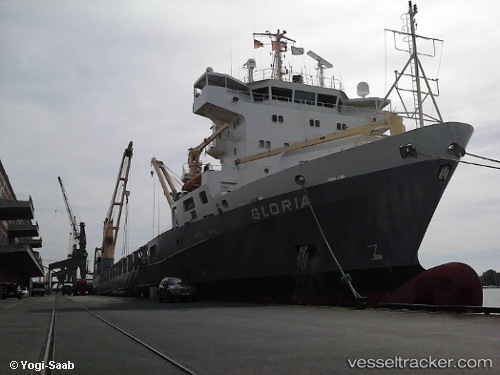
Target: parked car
point(171, 288)
point(11, 290)
point(25, 292)
point(38, 289)
point(67, 289)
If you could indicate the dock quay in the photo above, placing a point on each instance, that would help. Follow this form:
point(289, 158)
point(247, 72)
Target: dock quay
point(115, 335)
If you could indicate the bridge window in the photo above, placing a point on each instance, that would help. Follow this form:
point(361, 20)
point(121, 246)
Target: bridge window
point(261, 94)
point(304, 97)
point(279, 93)
point(328, 101)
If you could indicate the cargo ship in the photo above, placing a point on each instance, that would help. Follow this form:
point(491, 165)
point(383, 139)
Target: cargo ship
point(319, 198)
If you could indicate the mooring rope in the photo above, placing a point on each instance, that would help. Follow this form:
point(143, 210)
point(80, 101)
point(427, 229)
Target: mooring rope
point(466, 162)
point(346, 278)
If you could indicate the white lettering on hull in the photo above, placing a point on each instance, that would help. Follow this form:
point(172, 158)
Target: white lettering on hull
point(281, 207)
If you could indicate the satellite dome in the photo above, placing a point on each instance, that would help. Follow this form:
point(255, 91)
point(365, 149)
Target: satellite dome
point(363, 89)
point(209, 70)
point(251, 63)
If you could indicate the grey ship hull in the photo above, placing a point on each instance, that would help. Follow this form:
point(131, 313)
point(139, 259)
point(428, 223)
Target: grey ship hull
point(374, 219)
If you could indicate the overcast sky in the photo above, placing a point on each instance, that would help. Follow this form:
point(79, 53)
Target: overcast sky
point(80, 79)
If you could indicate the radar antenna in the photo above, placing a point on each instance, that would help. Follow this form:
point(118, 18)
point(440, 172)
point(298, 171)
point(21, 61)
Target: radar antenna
point(322, 65)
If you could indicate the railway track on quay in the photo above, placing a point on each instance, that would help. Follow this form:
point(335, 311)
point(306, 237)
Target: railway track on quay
point(51, 365)
point(117, 335)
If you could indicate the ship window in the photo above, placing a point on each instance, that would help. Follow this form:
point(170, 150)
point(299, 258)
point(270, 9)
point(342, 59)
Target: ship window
point(261, 94)
point(235, 85)
point(339, 126)
point(278, 118)
point(188, 204)
point(304, 97)
point(264, 144)
point(311, 122)
point(282, 94)
point(340, 105)
point(214, 80)
point(204, 197)
point(316, 123)
point(328, 101)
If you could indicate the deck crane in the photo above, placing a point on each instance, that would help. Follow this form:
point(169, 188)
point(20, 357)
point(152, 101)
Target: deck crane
point(78, 257)
point(164, 177)
point(105, 255)
point(194, 175)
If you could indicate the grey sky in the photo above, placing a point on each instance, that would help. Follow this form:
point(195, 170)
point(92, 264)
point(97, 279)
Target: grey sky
point(80, 79)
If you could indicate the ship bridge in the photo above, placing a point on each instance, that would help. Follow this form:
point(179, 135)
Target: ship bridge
point(213, 103)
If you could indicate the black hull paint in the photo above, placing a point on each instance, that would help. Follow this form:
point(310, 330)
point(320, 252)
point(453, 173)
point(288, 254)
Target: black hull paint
point(273, 250)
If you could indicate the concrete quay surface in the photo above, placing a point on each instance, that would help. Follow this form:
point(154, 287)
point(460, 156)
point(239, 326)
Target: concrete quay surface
point(239, 338)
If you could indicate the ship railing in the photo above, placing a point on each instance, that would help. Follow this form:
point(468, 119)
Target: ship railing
point(186, 173)
point(297, 77)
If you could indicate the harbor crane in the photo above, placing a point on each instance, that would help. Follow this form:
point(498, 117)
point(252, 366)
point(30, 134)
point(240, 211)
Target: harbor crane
point(77, 259)
point(105, 255)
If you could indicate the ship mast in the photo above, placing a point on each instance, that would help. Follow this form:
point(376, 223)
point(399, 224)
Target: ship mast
point(417, 73)
point(279, 45)
point(414, 58)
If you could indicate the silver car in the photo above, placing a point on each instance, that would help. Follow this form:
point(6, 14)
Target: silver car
point(172, 288)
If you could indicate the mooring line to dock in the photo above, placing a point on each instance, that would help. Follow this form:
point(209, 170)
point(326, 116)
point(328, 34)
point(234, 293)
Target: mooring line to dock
point(346, 278)
point(171, 361)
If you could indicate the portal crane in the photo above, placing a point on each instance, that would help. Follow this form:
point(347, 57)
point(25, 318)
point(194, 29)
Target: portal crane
point(78, 257)
point(78, 235)
point(105, 255)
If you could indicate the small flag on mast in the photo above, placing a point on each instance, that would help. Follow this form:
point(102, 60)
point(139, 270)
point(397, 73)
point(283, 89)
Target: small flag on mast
point(281, 45)
point(257, 44)
point(297, 50)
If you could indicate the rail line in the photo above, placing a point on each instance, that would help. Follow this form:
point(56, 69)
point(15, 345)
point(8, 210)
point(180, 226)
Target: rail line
point(49, 345)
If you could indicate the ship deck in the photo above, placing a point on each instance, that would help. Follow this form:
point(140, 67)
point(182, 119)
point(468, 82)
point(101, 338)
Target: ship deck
point(116, 335)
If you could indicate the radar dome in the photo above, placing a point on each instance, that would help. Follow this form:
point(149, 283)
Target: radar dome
point(209, 70)
point(363, 89)
point(251, 63)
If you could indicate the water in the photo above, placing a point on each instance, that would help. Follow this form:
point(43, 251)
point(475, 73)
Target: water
point(491, 297)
